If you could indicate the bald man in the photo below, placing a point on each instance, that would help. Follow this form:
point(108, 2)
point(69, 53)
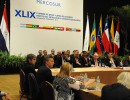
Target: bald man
point(95, 62)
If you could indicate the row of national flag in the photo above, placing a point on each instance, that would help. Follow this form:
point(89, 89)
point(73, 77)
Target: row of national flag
point(103, 41)
point(4, 32)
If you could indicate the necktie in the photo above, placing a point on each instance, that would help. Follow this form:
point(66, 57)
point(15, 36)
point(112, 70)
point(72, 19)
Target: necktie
point(86, 60)
point(76, 59)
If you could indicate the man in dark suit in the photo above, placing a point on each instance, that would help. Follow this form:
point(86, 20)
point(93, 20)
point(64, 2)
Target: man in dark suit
point(85, 61)
point(29, 67)
point(110, 61)
point(39, 61)
point(44, 73)
point(63, 58)
point(68, 54)
point(45, 53)
point(57, 59)
point(52, 53)
point(75, 59)
point(95, 62)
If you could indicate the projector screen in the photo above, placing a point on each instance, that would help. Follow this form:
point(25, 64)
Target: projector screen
point(45, 25)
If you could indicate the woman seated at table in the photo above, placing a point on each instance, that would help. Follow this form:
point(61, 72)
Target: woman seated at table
point(119, 90)
point(110, 61)
point(63, 82)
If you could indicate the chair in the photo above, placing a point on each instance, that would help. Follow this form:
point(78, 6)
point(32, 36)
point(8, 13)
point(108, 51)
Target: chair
point(33, 87)
point(23, 86)
point(47, 91)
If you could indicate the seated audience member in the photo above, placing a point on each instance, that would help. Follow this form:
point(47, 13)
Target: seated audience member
point(103, 59)
point(44, 73)
point(72, 55)
point(110, 61)
point(57, 59)
point(119, 90)
point(65, 57)
point(126, 62)
point(85, 61)
point(45, 53)
point(39, 59)
point(95, 62)
point(62, 59)
point(88, 55)
point(29, 67)
point(76, 62)
point(68, 54)
point(52, 53)
point(6, 95)
point(80, 54)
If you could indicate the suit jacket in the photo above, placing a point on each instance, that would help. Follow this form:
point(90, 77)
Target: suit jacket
point(73, 61)
point(115, 92)
point(107, 62)
point(28, 68)
point(92, 62)
point(44, 74)
point(85, 62)
point(58, 61)
point(39, 61)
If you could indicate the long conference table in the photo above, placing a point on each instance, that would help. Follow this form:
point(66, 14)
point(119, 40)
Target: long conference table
point(107, 76)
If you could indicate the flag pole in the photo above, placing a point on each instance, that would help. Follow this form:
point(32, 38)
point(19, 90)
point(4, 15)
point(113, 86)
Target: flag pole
point(94, 16)
point(100, 23)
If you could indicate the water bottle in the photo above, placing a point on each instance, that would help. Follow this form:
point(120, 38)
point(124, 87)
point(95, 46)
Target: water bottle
point(100, 65)
point(121, 64)
point(103, 65)
point(85, 77)
point(98, 83)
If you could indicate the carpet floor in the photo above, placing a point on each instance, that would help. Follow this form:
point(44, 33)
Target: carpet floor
point(10, 84)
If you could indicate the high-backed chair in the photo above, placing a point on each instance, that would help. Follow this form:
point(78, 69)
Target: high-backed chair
point(23, 86)
point(47, 91)
point(33, 87)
